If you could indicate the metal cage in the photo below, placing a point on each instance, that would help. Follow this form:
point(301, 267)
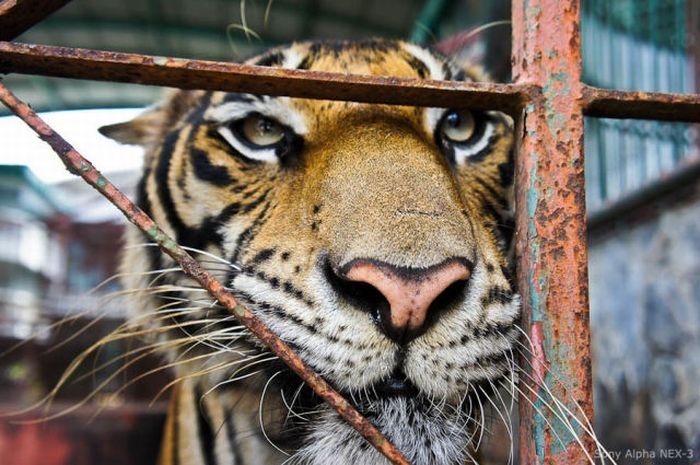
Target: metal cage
point(548, 99)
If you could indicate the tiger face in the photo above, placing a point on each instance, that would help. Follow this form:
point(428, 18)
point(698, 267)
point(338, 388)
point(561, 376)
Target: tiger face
point(372, 239)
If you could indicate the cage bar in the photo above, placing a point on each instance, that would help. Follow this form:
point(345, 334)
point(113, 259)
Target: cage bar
point(234, 77)
point(16, 16)
point(549, 101)
point(551, 232)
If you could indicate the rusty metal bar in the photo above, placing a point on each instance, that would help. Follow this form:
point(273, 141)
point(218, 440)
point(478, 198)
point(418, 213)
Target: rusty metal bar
point(610, 103)
point(234, 77)
point(16, 16)
point(551, 233)
point(79, 166)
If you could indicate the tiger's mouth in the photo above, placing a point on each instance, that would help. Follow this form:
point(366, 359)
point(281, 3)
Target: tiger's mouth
point(397, 385)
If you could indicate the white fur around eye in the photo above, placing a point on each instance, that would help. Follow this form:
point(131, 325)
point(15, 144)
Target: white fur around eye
point(267, 155)
point(432, 118)
point(278, 109)
point(464, 152)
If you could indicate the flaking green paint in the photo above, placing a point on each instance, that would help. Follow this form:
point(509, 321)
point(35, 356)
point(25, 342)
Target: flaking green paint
point(555, 375)
point(533, 197)
point(531, 14)
point(102, 182)
point(239, 310)
point(557, 85)
point(155, 233)
point(539, 284)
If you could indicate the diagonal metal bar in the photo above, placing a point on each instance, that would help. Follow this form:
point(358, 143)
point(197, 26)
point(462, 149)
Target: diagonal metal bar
point(79, 166)
point(234, 77)
point(610, 103)
point(16, 16)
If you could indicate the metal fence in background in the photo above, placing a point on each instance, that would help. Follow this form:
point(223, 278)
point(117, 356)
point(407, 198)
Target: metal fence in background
point(647, 45)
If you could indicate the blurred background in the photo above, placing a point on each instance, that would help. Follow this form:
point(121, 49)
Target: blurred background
point(59, 239)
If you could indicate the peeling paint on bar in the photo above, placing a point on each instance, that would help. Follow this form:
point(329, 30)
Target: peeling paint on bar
point(234, 77)
point(550, 232)
point(610, 103)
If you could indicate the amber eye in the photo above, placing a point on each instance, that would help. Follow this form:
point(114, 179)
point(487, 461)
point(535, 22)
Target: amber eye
point(458, 126)
point(261, 131)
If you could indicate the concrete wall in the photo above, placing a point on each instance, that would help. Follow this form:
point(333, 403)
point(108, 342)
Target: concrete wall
point(645, 316)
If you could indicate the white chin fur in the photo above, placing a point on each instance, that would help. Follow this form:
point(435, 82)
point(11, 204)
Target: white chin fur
point(427, 435)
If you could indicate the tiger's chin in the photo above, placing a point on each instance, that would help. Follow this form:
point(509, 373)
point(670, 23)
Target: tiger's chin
point(426, 431)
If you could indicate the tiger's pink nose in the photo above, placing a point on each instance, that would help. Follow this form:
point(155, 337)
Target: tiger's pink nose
point(410, 292)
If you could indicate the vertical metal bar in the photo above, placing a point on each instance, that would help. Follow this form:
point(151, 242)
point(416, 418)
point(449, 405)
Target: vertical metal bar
point(551, 234)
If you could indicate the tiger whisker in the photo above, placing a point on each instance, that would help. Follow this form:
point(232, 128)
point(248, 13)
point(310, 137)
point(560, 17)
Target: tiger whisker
point(539, 412)
point(202, 372)
point(589, 428)
point(508, 425)
point(260, 414)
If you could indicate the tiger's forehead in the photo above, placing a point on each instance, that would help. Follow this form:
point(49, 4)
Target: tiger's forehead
point(369, 58)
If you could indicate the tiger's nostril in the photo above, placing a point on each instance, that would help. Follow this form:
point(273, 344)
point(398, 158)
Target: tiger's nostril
point(404, 301)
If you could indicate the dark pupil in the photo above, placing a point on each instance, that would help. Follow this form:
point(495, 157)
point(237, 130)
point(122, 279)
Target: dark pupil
point(454, 120)
point(265, 125)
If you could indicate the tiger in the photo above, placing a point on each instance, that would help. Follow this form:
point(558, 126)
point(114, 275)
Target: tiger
point(375, 240)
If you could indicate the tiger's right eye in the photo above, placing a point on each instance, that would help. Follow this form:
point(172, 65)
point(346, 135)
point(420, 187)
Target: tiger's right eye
point(261, 131)
point(260, 138)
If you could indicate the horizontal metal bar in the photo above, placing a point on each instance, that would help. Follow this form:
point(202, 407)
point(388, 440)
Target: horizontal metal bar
point(79, 166)
point(610, 103)
point(16, 16)
point(672, 184)
point(209, 75)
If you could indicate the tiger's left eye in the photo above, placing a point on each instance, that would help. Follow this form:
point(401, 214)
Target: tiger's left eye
point(261, 131)
point(458, 126)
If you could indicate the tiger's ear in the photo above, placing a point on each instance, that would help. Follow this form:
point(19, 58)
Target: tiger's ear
point(483, 52)
point(149, 127)
point(143, 130)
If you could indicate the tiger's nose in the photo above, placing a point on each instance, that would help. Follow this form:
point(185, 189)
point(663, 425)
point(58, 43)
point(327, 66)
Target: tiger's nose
point(410, 292)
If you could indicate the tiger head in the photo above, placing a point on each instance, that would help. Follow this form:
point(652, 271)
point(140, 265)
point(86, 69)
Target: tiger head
point(373, 239)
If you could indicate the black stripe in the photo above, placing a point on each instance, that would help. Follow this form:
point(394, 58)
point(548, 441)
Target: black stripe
point(500, 201)
point(417, 65)
point(284, 286)
point(497, 294)
point(247, 234)
point(243, 98)
point(142, 200)
point(197, 114)
point(271, 59)
point(280, 312)
point(204, 430)
point(446, 71)
point(206, 171)
point(507, 170)
point(208, 232)
point(262, 256)
point(144, 203)
point(161, 177)
point(481, 154)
